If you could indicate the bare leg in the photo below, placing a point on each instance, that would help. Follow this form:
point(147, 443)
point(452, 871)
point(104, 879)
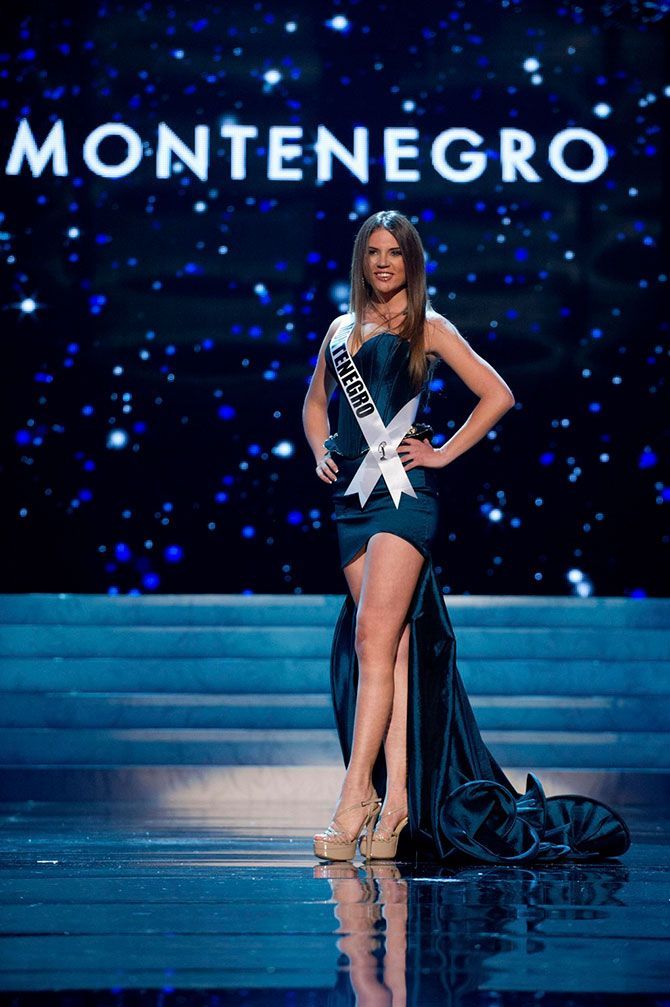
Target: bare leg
point(395, 745)
point(382, 582)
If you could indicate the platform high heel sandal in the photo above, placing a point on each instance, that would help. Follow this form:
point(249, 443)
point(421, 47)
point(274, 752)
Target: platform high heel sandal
point(335, 844)
point(385, 849)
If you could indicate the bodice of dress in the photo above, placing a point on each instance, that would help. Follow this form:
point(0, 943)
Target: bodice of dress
point(383, 363)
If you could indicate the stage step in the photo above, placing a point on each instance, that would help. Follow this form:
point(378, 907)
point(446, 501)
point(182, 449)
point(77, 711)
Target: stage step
point(204, 681)
point(321, 610)
point(311, 710)
point(607, 643)
point(222, 674)
point(287, 746)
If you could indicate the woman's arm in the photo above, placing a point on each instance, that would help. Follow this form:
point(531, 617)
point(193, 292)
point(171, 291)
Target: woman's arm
point(321, 387)
point(495, 395)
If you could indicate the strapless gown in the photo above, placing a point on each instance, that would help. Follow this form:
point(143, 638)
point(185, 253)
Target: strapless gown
point(461, 803)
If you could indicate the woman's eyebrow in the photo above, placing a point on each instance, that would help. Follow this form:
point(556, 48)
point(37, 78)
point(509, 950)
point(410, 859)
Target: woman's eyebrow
point(394, 248)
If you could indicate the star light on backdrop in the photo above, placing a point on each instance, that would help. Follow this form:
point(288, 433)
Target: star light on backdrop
point(162, 330)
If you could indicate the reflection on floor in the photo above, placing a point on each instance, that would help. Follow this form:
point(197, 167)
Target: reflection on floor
point(128, 905)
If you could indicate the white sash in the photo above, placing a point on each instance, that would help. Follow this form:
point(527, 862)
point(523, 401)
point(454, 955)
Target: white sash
point(382, 459)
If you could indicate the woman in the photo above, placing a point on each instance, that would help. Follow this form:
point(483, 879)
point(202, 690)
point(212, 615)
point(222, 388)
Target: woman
point(405, 724)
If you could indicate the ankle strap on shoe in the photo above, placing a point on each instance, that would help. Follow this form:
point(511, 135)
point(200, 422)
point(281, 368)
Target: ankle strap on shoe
point(358, 804)
point(390, 811)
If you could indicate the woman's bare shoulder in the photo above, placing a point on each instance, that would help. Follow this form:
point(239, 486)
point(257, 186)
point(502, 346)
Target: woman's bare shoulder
point(332, 329)
point(434, 320)
point(336, 323)
point(436, 324)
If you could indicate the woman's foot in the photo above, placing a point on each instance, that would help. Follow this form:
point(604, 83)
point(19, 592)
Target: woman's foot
point(393, 811)
point(348, 822)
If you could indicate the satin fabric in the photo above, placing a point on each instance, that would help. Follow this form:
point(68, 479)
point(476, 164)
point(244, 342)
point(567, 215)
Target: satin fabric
point(382, 362)
point(383, 365)
point(461, 803)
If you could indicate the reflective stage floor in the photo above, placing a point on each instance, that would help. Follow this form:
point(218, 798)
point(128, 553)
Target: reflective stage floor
point(122, 904)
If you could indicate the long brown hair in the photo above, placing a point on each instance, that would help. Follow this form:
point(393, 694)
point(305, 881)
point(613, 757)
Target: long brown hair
point(361, 293)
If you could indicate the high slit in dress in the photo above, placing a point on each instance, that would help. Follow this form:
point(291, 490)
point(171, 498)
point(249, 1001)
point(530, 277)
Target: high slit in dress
point(461, 803)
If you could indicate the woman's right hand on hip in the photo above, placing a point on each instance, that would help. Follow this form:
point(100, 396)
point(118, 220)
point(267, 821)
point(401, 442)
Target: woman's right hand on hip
point(326, 469)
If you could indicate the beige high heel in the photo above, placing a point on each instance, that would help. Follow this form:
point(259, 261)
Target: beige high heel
point(334, 844)
point(385, 849)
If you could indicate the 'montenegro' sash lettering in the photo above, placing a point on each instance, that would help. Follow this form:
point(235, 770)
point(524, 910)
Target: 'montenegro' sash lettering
point(382, 459)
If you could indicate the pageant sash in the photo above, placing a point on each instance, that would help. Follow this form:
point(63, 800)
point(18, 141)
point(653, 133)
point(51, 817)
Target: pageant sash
point(382, 459)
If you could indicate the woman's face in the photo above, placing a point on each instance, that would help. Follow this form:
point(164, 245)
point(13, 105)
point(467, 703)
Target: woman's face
point(384, 265)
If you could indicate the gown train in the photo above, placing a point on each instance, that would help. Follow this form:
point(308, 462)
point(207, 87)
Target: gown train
point(460, 800)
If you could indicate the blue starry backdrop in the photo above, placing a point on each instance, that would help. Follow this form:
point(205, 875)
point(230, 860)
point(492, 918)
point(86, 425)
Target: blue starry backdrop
point(159, 332)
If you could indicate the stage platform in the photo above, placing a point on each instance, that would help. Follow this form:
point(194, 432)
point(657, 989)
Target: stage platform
point(124, 904)
point(164, 762)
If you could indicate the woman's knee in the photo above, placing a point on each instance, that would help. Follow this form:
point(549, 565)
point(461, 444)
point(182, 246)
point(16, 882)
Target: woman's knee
point(375, 636)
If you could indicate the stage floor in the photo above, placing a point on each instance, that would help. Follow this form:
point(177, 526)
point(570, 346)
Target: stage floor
point(123, 904)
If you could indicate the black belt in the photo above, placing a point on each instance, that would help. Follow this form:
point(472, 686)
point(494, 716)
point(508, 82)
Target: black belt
point(423, 431)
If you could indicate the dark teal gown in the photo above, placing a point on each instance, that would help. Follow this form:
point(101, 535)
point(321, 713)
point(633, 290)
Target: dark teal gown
point(461, 803)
